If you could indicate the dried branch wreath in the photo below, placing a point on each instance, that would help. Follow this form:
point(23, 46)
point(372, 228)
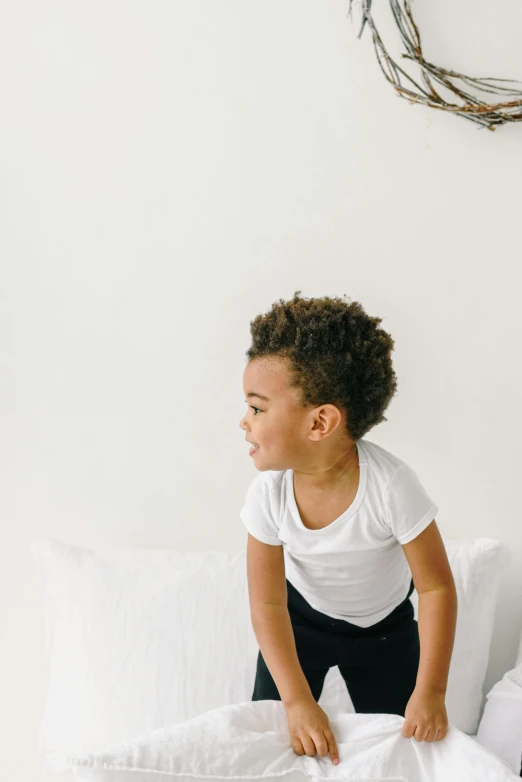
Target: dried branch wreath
point(471, 107)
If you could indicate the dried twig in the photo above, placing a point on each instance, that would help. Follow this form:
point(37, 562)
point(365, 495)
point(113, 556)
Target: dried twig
point(470, 106)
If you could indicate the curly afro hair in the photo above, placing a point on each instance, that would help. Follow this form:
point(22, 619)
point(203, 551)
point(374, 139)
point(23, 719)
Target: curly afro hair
point(336, 354)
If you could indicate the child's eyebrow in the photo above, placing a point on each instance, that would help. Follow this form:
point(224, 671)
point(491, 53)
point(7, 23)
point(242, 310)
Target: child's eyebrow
point(259, 396)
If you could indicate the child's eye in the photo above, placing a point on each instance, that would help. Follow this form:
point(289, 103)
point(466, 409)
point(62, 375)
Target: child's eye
point(255, 408)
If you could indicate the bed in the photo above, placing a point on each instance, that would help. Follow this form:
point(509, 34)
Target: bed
point(151, 659)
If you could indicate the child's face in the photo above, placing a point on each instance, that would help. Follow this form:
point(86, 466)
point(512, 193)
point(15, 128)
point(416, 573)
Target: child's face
point(289, 436)
point(276, 424)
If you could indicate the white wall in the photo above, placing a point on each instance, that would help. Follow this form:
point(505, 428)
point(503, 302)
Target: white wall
point(168, 171)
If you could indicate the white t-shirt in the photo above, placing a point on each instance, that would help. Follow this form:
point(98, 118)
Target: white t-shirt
point(355, 568)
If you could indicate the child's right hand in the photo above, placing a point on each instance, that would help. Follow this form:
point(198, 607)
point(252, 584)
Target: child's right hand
point(310, 729)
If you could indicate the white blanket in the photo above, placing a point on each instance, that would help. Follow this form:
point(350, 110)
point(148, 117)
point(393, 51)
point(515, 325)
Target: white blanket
point(251, 741)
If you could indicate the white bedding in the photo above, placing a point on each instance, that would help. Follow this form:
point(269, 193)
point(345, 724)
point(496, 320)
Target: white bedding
point(251, 741)
point(133, 634)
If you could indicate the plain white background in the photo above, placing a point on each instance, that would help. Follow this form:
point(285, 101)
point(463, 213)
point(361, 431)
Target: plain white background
point(168, 171)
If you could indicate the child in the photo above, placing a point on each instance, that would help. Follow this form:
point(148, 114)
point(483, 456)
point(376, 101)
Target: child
point(338, 526)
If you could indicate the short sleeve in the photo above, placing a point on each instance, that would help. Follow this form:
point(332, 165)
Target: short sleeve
point(408, 507)
point(257, 514)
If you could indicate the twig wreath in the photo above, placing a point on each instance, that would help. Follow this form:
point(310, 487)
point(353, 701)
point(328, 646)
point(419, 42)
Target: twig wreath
point(471, 107)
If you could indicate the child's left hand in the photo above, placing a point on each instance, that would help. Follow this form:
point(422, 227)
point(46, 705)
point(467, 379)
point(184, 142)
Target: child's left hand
point(425, 717)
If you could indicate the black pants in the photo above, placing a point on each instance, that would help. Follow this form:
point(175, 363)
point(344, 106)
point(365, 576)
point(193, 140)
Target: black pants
point(378, 663)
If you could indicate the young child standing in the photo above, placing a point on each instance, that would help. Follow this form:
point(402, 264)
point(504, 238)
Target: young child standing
point(340, 530)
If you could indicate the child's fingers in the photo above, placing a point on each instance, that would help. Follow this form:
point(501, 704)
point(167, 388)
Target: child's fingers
point(297, 746)
point(332, 746)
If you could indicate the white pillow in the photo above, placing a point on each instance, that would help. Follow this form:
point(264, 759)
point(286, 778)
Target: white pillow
point(139, 639)
point(500, 728)
point(251, 741)
point(477, 567)
point(519, 655)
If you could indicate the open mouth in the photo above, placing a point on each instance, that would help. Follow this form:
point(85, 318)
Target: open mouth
point(253, 450)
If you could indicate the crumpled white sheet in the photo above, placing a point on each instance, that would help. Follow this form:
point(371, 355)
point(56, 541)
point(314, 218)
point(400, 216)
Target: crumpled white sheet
point(251, 741)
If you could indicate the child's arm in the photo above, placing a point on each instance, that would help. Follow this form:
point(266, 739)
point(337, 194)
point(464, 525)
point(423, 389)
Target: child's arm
point(271, 620)
point(426, 717)
point(308, 725)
